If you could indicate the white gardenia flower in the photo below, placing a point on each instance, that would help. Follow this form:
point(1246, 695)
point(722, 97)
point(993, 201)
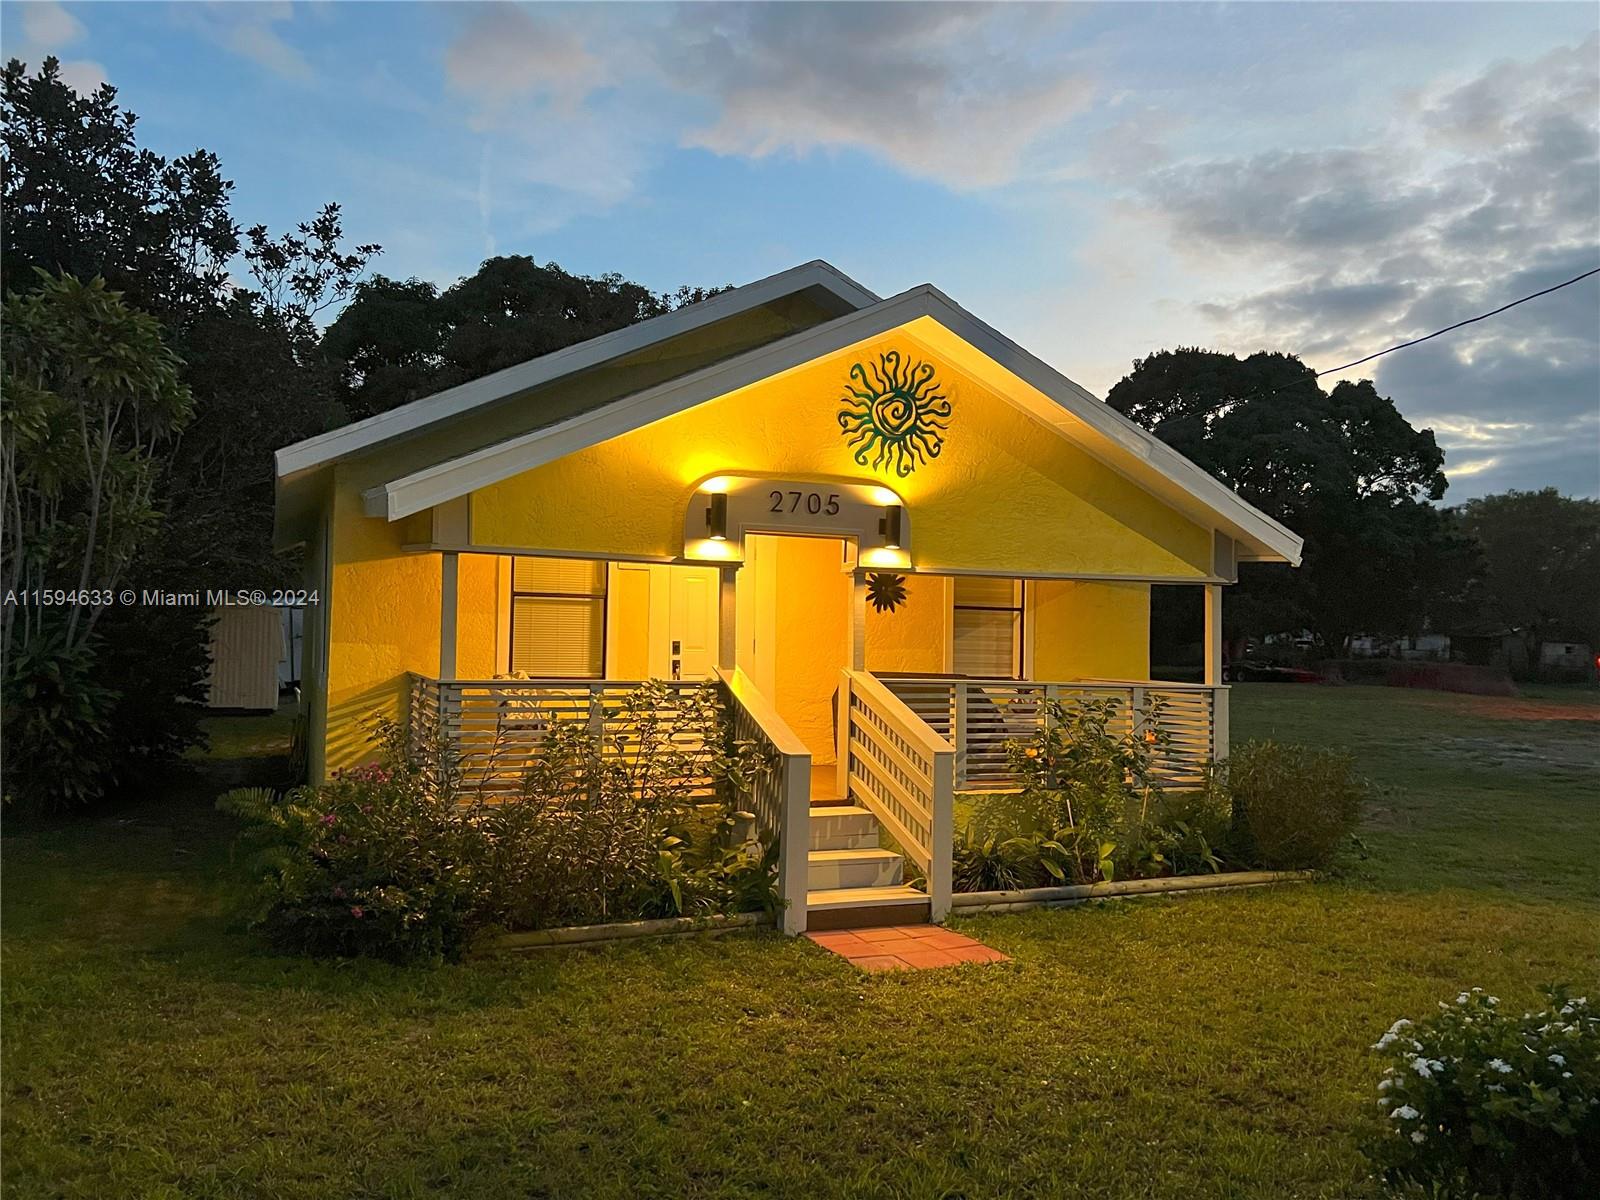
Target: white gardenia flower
point(1497, 1087)
point(1420, 1066)
point(1385, 1084)
point(1418, 1136)
point(1404, 1113)
point(1558, 1060)
point(1499, 1064)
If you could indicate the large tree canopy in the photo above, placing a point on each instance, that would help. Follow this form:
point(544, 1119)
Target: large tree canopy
point(1541, 554)
point(401, 339)
point(1342, 468)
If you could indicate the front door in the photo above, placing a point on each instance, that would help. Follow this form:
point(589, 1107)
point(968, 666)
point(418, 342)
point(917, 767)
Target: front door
point(692, 623)
point(794, 629)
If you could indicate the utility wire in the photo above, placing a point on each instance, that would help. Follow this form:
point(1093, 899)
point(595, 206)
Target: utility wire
point(1458, 324)
point(1232, 401)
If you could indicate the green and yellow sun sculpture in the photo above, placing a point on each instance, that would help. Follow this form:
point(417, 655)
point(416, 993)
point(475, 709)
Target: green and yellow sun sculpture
point(894, 413)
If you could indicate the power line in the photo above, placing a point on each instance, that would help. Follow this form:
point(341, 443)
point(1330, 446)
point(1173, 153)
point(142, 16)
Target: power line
point(1458, 324)
point(1402, 346)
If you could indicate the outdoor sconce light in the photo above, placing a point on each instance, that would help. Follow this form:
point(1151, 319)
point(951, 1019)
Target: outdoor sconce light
point(889, 525)
point(717, 517)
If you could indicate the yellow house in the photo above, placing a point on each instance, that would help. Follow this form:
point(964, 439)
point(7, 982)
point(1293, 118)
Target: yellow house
point(885, 530)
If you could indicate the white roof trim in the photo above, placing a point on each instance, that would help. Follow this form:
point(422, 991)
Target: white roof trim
point(460, 476)
point(408, 418)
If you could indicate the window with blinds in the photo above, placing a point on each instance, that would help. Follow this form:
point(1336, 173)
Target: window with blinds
point(558, 617)
point(988, 627)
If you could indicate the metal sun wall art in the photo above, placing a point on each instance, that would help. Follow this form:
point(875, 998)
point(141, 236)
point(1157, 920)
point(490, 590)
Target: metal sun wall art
point(894, 413)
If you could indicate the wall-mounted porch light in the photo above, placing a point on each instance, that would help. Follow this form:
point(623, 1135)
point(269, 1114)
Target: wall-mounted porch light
point(889, 525)
point(717, 517)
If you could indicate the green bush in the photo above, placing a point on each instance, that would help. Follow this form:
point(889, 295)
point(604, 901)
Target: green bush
point(1293, 806)
point(990, 862)
point(412, 859)
point(1478, 1103)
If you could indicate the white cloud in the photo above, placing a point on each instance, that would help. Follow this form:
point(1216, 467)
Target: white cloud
point(507, 53)
point(48, 28)
point(1477, 192)
point(249, 30)
point(945, 91)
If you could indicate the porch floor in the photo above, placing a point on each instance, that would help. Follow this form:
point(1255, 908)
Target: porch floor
point(905, 947)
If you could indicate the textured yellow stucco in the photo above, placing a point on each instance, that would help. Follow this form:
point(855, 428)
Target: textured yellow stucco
point(1084, 630)
point(1005, 495)
point(912, 637)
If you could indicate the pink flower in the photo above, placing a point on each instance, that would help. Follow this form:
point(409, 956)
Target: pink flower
point(328, 818)
point(357, 911)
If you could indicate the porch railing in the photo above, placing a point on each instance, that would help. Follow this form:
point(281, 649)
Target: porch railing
point(781, 798)
point(902, 771)
point(981, 715)
point(497, 729)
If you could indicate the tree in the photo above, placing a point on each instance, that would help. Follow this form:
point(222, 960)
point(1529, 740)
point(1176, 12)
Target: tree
point(92, 395)
point(82, 197)
point(402, 339)
point(1342, 468)
point(1541, 555)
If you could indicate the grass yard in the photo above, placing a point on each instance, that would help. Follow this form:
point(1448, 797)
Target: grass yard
point(1213, 1046)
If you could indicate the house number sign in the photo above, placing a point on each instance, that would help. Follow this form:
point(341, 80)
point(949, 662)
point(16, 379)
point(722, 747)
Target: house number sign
point(814, 503)
point(722, 510)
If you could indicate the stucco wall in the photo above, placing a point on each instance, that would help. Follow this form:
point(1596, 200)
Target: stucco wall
point(1090, 630)
point(1005, 495)
point(912, 637)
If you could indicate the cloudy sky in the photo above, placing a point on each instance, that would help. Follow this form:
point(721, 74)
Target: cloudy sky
point(1096, 181)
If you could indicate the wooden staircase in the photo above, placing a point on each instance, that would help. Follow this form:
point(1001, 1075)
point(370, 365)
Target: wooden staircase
point(852, 882)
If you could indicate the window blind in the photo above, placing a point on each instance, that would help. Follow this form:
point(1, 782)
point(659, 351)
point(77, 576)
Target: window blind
point(987, 628)
point(558, 617)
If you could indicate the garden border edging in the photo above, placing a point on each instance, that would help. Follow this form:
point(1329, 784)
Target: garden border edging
point(1081, 893)
point(591, 935)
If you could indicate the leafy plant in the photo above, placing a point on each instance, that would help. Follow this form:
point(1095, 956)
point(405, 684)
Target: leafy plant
point(412, 859)
point(1293, 806)
point(1090, 787)
point(991, 863)
point(1476, 1102)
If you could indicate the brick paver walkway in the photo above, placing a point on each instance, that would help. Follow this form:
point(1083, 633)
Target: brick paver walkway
point(905, 947)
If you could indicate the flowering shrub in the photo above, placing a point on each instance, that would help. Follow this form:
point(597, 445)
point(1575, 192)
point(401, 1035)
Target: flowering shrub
point(1476, 1102)
point(1092, 808)
point(412, 858)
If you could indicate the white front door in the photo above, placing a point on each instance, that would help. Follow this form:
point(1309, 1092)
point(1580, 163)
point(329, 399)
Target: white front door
point(692, 623)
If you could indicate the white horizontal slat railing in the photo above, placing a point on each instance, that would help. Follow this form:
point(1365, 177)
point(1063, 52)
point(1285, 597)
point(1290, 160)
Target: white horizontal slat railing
point(980, 716)
point(903, 771)
point(781, 798)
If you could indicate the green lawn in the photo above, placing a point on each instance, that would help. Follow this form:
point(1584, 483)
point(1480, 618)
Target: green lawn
point(1209, 1046)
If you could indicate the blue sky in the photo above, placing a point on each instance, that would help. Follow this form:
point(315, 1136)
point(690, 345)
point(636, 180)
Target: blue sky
point(1098, 181)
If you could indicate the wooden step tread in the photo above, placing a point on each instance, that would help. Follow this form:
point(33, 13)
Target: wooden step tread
point(862, 854)
point(864, 897)
point(820, 811)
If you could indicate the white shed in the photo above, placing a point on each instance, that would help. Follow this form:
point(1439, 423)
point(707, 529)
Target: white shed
point(246, 646)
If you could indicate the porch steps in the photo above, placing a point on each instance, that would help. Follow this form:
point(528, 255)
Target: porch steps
point(852, 882)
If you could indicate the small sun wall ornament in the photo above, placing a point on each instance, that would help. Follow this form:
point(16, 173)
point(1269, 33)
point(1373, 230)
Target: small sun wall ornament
point(894, 413)
point(886, 590)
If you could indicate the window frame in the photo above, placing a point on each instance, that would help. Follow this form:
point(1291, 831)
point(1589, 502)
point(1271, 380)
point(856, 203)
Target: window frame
point(603, 596)
point(1019, 642)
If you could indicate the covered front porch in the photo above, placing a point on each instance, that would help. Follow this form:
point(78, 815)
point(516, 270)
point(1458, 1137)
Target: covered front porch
point(905, 746)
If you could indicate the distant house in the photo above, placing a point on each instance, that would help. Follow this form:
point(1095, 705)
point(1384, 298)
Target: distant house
point(1567, 660)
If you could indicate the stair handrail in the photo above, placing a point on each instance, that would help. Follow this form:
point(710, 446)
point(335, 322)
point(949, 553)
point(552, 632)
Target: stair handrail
point(897, 767)
point(782, 798)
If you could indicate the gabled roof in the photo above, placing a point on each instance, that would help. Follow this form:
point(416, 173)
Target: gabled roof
point(326, 448)
point(922, 312)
